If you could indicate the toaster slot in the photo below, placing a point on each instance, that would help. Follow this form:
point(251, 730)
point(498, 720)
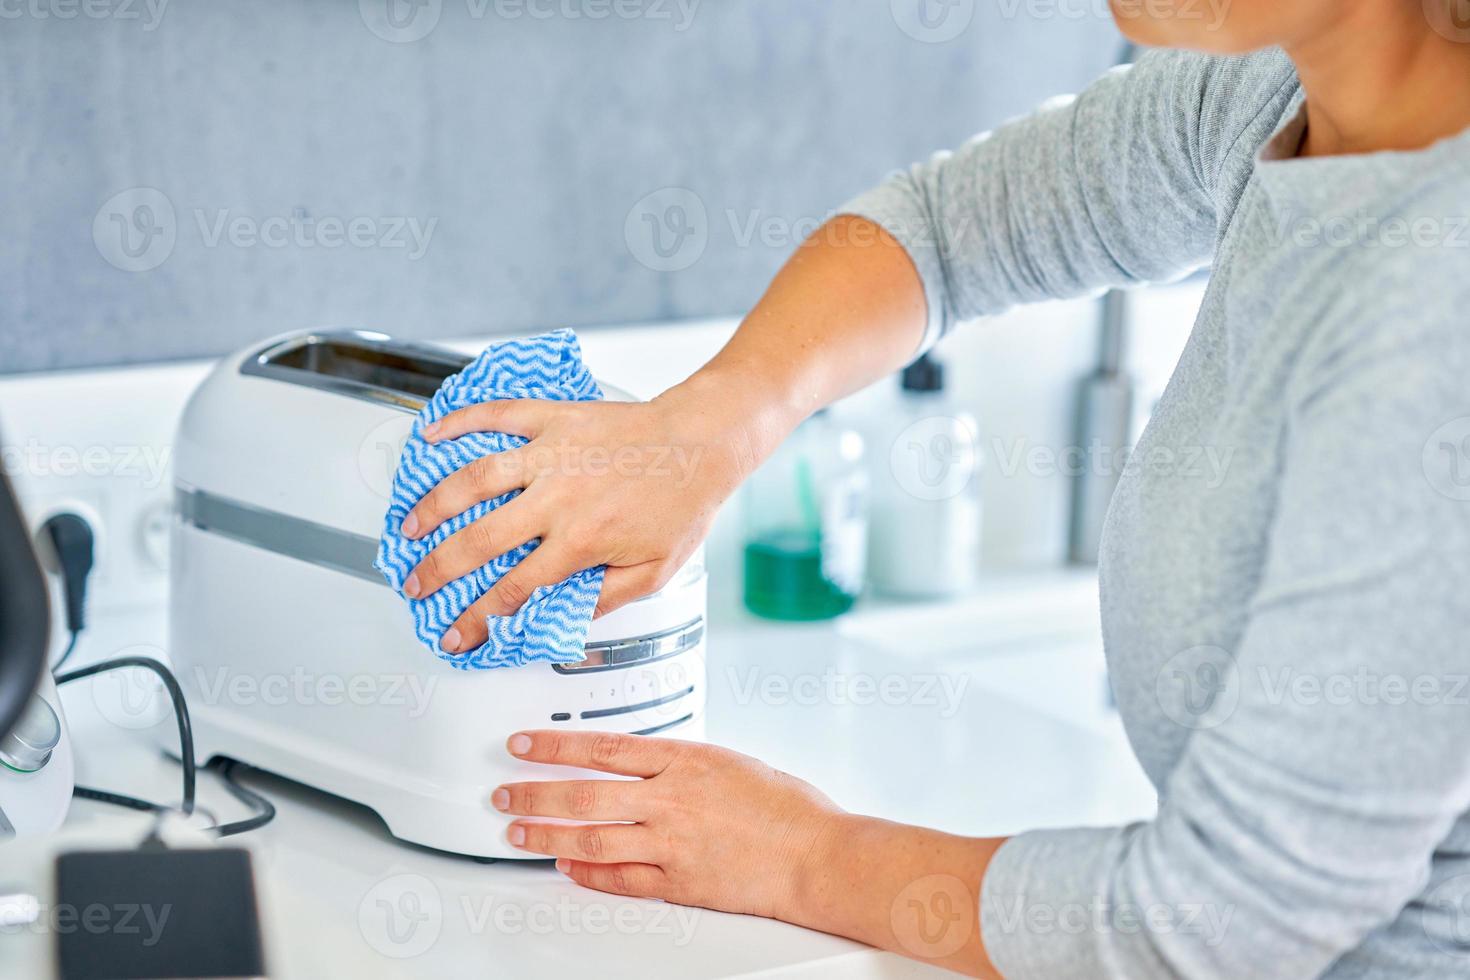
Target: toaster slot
point(359, 364)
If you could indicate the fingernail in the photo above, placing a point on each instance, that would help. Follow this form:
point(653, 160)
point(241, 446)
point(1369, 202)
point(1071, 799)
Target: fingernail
point(500, 799)
point(520, 743)
point(563, 865)
point(431, 430)
point(516, 835)
point(450, 642)
point(411, 587)
point(411, 525)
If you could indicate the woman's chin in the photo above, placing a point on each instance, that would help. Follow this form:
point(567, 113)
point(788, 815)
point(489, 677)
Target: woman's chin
point(1194, 25)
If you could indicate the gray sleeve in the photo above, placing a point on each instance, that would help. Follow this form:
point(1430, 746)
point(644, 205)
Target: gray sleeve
point(1336, 756)
point(1116, 186)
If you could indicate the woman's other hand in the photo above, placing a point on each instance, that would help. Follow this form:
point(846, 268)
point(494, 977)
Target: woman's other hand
point(710, 827)
point(705, 826)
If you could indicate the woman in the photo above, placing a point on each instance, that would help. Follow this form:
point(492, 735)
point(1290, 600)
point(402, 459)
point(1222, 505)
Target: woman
point(1316, 155)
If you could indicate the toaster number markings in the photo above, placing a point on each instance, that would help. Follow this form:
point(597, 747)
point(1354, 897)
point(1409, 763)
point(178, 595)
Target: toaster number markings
point(643, 706)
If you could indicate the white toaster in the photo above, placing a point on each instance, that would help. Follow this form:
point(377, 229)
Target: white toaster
point(295, 655)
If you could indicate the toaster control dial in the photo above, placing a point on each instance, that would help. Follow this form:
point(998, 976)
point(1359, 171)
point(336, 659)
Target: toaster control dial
point(28, 748)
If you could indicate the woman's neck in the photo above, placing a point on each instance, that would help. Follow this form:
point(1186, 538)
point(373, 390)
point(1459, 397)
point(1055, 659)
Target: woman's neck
point(1381, 78)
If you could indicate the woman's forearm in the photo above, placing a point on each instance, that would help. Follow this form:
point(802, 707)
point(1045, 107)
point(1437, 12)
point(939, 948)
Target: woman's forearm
point(846, 309)
point(906, 889)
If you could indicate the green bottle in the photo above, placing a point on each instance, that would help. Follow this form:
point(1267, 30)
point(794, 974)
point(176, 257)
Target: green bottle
point(806, 525)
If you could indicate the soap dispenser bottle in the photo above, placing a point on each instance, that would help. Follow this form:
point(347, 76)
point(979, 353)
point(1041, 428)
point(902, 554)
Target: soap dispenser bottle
point(925, 529)
point(806, 524)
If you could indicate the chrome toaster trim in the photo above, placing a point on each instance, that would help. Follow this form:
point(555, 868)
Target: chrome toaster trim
point(638, 650)
point(293, 537)
point(394, 358)
point(354, 554)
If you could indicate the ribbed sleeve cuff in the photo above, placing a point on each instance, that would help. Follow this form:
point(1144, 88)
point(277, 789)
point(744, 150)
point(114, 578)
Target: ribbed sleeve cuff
point(898, 208)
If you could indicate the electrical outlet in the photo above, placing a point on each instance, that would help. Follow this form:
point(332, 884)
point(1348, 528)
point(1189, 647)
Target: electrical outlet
point(98, 443)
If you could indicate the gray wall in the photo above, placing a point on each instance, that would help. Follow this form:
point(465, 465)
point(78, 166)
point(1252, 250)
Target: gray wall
point(270, 160)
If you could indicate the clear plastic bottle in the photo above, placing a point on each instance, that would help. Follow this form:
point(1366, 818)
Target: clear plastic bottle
point(926, 515)
point(806, 524)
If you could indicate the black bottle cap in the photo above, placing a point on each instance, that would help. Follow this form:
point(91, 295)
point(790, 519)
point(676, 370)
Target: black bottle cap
point(924, 375)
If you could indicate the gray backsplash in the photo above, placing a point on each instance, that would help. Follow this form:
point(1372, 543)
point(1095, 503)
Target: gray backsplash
point(182, 177)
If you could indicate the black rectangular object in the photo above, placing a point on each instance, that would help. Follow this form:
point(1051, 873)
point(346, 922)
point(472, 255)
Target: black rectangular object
point(125, 915)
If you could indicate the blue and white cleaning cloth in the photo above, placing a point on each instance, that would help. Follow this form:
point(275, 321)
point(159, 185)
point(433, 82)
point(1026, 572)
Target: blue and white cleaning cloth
point(552, 626)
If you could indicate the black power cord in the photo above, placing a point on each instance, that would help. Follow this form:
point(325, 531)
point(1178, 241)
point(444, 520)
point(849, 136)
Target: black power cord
point(265, 811)
point(181, 713)
point(74, 545)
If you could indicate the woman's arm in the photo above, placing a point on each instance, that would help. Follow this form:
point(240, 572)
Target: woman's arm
point(909, 890)
point(847, 309)
point(1116, 186)
point(1327, 761)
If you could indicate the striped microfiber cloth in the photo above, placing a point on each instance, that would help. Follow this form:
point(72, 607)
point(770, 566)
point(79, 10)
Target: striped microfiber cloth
point(552, 626)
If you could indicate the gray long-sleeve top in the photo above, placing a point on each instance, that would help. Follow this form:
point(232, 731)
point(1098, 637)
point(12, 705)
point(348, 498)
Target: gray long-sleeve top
point(1285, 569)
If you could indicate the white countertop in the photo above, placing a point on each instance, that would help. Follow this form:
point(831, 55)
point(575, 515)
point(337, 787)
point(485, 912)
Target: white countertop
point(983, 717)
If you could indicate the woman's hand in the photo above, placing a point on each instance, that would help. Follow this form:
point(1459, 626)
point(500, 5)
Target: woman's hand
point(706, 826)
point(633, 486)
point(701, 825)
